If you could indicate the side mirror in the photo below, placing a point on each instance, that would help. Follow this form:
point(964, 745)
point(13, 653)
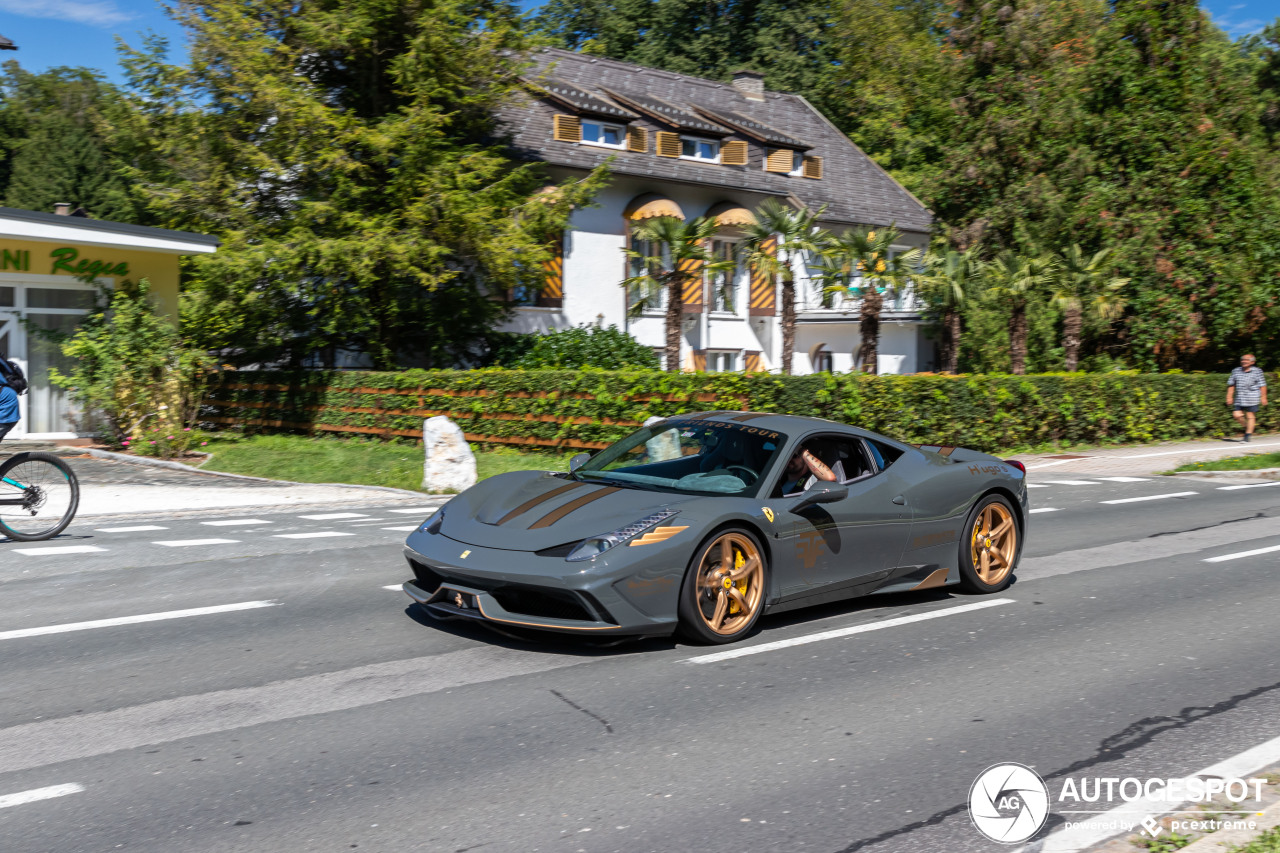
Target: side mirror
point(578, 461)
point(821, 493)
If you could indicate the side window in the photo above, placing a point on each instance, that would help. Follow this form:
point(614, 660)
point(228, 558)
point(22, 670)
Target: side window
point(844, 459)
point(884, 454)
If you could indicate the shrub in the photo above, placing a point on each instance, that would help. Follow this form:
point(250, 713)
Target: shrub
point(587, 346)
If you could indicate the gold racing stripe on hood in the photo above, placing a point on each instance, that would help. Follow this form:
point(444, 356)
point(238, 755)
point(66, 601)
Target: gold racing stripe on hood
point(560, 512)
point(540, 499)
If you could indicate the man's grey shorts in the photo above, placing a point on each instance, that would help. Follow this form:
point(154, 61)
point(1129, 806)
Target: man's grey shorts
point(1237, 408)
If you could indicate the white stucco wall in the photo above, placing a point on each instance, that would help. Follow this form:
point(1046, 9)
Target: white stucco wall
point(595, 265)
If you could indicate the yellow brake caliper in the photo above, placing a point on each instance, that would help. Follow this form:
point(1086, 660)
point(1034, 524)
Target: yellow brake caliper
point(738, 562)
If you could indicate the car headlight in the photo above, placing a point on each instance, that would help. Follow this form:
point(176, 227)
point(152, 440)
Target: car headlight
point(594, 546)
point(432, 524)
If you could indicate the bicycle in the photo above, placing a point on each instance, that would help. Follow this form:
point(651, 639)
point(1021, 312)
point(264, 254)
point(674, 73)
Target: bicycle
point(39, 495)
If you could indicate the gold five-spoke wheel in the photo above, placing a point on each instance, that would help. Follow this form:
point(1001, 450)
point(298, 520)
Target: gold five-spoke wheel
point(730, 583)
point(994, 543)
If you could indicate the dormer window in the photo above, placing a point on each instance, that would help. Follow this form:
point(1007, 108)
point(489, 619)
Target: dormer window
point(693, 148)
point(603, 134)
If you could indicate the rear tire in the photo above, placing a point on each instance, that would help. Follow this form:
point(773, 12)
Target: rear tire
point(723, 593)
point(51, 493)
point(990, 544)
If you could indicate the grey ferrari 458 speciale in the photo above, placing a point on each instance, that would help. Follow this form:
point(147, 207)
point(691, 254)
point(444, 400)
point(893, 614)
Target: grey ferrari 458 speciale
point(700, 523)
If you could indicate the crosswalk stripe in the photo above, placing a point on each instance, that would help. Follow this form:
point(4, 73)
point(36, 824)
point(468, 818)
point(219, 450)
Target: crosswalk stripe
point(35, 795)
point(1124, 479)
point(1247, 486)
point(232, 522)
point(409, 529)
point(1044, 509)
point(334, 516)
point(415, 509)
point(59, 549)
point(1074, 482)
point(142, 528)
point(186, 543)
point(322, 534)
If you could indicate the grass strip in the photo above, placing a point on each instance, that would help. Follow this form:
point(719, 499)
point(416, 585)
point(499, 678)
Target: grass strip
point(1235, 463)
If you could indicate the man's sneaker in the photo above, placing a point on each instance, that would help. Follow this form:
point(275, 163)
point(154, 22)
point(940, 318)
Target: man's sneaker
point(1246, 435)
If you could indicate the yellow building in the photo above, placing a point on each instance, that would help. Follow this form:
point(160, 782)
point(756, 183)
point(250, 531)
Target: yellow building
point(44, 260)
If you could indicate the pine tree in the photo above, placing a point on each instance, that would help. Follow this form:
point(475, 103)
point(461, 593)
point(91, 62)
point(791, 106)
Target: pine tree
point(346, 151)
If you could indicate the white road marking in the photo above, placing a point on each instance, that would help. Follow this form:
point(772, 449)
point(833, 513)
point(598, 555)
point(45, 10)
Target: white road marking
point(134, 620)
point(1247, 486)
point(408, 529)
point(334, 516)
point(139, 529)
point(1073, 482)
point(1150, 498)
point(1238, 766)
point(1049, 464)
point(232, 522)
point(35, 795)
point(1241, 554)
point(715, 657)
point(1036, 486)
point(318, 535)
point(187, 543)
point(59, 549)
point(1124, 479)
point(416, 509)
point(1237, 447)
point(1044, 509)
point(395, 587)
point(48, 742)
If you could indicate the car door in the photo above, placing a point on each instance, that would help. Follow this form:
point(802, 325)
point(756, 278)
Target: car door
point(854, 540)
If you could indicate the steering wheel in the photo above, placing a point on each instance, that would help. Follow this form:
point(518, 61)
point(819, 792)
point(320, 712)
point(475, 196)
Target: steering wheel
point(740, 470)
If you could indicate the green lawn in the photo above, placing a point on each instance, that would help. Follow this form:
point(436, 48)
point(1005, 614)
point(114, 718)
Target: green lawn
point(1235, 463)
point(1268, 842)
point(343, 460)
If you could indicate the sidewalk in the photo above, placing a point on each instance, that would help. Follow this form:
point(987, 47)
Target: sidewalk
point(118, 487)
point(1146, 459)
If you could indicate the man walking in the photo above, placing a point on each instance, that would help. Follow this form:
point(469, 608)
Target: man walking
point(1246, 391)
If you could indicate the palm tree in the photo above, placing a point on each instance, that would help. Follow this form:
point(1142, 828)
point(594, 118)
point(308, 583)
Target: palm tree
point(775, 241)
point(1016, 279)
point(683, 254)
point(951, 278)
point(1083, 283)
point(861, 264)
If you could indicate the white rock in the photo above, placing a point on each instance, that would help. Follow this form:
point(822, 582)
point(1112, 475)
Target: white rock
point(450, 466)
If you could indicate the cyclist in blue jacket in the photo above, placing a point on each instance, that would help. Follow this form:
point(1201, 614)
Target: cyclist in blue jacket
point(8, 407)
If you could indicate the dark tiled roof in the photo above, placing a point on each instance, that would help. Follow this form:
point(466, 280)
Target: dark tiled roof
point(581, 99)
point(667, 113)
point(854, 188)
point(7, 44)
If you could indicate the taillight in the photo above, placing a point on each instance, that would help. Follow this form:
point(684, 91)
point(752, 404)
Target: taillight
point(1016, 464)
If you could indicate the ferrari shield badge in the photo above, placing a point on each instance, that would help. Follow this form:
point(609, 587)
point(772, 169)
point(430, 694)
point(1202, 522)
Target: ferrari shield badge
point(768, 513)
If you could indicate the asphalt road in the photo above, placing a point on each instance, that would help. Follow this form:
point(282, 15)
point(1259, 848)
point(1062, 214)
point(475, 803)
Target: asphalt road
point(289, 701)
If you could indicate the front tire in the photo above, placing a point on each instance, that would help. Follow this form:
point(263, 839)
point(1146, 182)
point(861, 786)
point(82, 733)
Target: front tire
point(723, 593)
point(50, 495)
point(990, 546)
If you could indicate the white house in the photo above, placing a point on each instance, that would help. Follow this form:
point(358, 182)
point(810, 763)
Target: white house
point(684, 146)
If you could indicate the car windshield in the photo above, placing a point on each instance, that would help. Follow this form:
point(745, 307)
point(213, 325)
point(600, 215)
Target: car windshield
point(689, 456)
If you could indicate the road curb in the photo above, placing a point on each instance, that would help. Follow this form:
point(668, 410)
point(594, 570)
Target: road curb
point(178, 466)
point(1243, 474)
point(1226, 840)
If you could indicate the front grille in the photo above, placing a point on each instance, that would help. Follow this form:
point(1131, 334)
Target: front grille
point(516, 598)
point(548, 604)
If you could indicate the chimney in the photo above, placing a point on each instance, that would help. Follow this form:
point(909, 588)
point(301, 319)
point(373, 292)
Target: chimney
point(749, 83)
point(62, 208)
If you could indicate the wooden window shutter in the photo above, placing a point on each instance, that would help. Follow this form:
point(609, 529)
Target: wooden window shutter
point(813, 167)
point(668, 144)
point(700, 360)
point(566, 128)
point(781, 160)
point(734, 153)
point(638, 140)
point(552, 293)
point(754, 363)
point(762, 299)
point(691, 298)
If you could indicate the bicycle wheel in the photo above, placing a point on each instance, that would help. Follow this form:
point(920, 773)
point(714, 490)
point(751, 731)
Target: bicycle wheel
point(39, 495)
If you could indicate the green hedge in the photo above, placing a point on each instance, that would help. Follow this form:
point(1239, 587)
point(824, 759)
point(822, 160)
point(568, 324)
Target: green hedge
point(583, 408)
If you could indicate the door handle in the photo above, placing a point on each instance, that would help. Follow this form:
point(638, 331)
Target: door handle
point(900, 500)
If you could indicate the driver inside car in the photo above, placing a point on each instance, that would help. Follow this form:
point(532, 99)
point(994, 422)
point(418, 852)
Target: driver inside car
point(802, 468)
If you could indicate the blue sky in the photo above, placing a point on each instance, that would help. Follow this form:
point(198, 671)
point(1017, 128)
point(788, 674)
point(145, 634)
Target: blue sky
point(83, 32)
